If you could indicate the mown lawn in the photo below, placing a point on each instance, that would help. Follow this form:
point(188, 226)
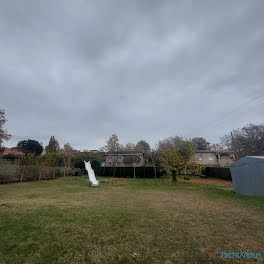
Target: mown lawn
point(131, 221)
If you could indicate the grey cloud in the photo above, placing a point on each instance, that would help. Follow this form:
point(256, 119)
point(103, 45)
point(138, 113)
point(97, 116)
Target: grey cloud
point(82, 70)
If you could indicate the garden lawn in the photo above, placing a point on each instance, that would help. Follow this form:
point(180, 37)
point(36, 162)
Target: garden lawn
point(131, 221)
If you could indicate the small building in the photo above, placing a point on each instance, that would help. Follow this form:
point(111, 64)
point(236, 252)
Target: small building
point(248, 175)
point(215, 158)
point(124, 159)
point(11, 153)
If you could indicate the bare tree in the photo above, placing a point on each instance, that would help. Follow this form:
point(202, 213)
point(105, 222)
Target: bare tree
point(112, 144)
point(248, 140)
point(130, 146)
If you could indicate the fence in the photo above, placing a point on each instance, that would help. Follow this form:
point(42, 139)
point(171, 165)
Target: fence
point(126, 172)
point(18, 173)
point(218, 172)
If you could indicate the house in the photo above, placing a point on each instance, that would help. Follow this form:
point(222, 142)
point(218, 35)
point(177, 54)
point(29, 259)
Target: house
point(215, 158)
point(124, 159)
point(11, 153)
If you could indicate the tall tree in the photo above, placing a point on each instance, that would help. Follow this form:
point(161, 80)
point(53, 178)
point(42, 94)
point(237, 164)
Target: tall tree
point(247, 141)
point(175, 155)
point(201, 143)
point(169, 142)
point(142, 145)
point(53, 145)
point(112, 144)
point(3, 132)
point(67, 153)
point(30, 146)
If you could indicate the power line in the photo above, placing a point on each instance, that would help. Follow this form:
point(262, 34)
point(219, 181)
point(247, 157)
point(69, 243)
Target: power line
point(255, 98)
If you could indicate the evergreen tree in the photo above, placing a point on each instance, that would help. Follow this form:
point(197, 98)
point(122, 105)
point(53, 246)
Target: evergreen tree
point(53, 145)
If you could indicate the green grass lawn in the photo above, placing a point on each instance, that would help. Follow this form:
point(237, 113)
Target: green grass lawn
point(131, 221)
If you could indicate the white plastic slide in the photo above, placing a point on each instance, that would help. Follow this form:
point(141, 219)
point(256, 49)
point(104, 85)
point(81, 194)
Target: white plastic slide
point(91, 174)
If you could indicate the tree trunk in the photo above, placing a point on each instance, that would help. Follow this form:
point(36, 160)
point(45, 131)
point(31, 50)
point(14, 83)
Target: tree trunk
point(173, 176)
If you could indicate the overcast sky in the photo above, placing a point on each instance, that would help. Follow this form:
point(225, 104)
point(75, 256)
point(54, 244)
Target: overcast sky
point(82, 70)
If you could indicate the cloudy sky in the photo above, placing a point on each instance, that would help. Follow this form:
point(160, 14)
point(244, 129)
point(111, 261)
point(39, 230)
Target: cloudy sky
point(82, 70)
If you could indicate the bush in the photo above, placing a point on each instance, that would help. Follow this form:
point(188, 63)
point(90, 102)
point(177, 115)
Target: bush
point(76, 172)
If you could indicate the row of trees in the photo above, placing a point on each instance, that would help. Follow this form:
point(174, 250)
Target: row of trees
point(113, 144)
point(56, 156)
point(62, 159)
point(172, 155)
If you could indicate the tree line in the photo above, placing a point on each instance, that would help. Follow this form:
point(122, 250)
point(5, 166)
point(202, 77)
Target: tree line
point(172, 155)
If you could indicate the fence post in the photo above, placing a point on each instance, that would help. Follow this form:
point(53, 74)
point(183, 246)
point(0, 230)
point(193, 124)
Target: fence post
point(40, 174)
point(21, 178)
point(53, 176)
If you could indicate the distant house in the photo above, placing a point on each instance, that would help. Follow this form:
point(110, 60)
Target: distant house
point(124, 159)
point(215, 158)
point(11, 153)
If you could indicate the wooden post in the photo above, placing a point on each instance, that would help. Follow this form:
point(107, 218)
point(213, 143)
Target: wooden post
point(144, 169)
point(21, 178)
point(134, 165)
point(40, 174)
